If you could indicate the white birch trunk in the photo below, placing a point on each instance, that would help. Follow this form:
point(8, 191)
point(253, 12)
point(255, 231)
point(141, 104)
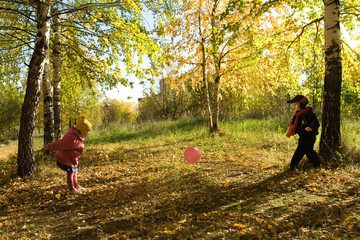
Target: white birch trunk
point(48, 104)
point(330, 135)
point(26, 158)
point(57, 74)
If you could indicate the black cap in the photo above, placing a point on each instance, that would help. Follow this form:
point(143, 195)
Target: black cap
point(298, 98)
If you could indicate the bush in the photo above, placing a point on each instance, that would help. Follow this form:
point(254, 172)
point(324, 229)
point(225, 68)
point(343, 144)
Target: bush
point(118, 112)
point(169, 104)
point(10, 111)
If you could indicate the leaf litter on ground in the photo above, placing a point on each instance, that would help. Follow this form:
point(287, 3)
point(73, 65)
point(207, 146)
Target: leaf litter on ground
point(146, 190)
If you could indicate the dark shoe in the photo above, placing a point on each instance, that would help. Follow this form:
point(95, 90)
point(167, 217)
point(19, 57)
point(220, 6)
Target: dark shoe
point(292, 168)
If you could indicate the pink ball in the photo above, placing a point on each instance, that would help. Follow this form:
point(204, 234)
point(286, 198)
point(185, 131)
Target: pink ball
point(192, 155)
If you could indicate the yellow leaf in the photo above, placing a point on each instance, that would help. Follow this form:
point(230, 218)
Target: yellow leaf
point(283, 182)
point(239, 225)
point(58, 196)
point(254, 232)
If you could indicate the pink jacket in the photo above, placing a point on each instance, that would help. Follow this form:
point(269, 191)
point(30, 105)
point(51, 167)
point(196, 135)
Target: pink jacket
point(69, 148)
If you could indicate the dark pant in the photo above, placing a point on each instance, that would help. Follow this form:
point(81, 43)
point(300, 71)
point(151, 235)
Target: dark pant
point(305, 146)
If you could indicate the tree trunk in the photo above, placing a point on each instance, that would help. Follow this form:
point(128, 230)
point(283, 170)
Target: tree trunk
point(26, 159)
point(57, 74)
point(205, 81)
point(217, 66)
point(48, 105)
point(330, 135)
point(216, 104)
point(206, 92)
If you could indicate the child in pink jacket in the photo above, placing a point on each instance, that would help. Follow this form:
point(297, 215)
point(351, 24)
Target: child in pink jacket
point(68, 151)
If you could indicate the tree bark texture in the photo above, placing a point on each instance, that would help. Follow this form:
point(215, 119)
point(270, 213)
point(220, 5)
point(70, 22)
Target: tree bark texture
point(217, 66)
point(26, 158)
point(216, 104)
point(204, 77)
point(48, 104)
point(57, 74)
point(330, 134)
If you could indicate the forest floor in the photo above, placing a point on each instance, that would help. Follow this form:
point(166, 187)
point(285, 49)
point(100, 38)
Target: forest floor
point(144, 189)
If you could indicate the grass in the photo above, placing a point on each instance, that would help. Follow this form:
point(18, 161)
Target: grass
point(140, 187)
point(146, 131)
point(350, 131)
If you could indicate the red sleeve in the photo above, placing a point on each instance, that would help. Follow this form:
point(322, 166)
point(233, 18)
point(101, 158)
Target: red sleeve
point(68, 142)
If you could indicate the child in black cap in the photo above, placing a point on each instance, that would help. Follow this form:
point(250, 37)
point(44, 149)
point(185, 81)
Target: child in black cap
point(306, 125)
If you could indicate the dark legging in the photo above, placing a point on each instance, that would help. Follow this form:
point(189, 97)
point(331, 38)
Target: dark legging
point(305, 147)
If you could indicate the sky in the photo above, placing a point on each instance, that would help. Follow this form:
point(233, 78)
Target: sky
point(127, 93)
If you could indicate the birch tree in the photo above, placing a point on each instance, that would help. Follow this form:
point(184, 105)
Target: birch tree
point(56, 80)
point(47, 92)
point(101, 43)
point(25, 159)
point(97, 36)
point(330, 134)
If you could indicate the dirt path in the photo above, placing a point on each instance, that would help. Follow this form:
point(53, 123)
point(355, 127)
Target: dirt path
point(7, 150)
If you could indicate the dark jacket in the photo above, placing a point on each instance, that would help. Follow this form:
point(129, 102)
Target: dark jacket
point(307, 119)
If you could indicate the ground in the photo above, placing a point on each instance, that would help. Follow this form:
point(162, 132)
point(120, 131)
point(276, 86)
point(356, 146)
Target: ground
point(146, 190)
point(7, 150)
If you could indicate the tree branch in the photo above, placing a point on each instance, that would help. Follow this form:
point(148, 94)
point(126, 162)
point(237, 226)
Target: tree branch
point(303, 30)
point(356, 53)
point(18, 29)
point(27, 43)
point(19, 12)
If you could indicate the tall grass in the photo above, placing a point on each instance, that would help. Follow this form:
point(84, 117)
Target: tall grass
point(146, 131)
point(251, 132)
point(256, 131)
point(350, 140)
point(266, 134)
point(350, 133)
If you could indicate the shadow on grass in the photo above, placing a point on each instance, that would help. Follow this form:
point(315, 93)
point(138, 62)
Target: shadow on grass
point(198, 209)
point(185, 206)
point(201, 209)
